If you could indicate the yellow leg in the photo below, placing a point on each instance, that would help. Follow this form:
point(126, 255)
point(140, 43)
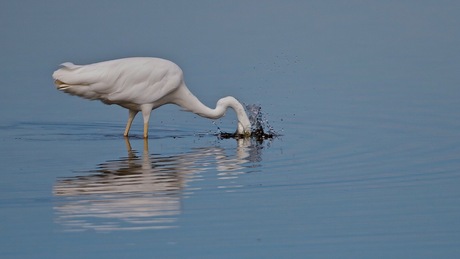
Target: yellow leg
point(131, 116)
point(146, 110)
point(146, 130)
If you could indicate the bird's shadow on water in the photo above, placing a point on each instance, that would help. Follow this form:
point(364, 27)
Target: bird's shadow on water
point(144, 191)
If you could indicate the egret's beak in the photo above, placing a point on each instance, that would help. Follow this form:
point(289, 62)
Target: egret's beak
point(245, 132)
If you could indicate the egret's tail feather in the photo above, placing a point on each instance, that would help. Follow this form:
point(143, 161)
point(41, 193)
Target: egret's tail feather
point(69, 65)
point(71, 74)
point(76, 80)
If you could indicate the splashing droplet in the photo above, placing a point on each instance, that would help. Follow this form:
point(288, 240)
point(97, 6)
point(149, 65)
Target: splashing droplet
point(255, 116)
point(261, 128)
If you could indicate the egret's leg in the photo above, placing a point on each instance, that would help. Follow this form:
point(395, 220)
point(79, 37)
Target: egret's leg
point(146, 110)
point(131, 116)
point(146, 130)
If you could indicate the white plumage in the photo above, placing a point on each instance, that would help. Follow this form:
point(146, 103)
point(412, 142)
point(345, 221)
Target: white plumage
point(141, 84)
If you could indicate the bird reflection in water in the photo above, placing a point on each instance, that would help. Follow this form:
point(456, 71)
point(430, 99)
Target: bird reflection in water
point(138, 193)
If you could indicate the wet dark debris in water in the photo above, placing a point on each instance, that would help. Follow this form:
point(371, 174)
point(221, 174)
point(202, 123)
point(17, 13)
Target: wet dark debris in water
point(257, 134)
point(258, 124)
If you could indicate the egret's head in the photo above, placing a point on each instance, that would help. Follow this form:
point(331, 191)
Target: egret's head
point(244, 125)
point(243, 130)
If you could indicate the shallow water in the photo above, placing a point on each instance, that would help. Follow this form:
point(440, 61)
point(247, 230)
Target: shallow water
point(364, 97)
point(351, 185)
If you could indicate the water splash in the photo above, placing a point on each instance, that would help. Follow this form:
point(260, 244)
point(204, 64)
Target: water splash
point(258, 120)
point(260, 127)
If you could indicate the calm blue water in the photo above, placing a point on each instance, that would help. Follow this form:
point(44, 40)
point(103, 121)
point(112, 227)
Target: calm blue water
point(365, 96)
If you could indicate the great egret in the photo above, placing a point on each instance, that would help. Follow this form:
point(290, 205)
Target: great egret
point(141, 84)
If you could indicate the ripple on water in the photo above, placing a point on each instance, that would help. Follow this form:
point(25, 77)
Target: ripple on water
point(53, 131)
point(368, 152)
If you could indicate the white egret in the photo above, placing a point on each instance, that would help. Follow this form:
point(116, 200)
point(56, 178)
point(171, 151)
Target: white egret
point(141, 84)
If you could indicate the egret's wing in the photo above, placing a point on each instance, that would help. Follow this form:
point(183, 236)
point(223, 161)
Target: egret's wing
point(146, 82)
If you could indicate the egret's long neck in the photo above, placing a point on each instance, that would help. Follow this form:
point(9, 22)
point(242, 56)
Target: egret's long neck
point(188, 101)
point(184, 98)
